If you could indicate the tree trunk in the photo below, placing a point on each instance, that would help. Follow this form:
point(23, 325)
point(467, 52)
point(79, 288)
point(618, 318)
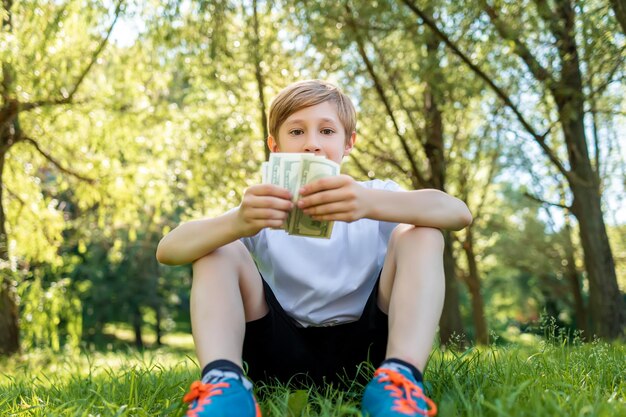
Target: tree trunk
point(606, 304)
point(450, 323)
point(157, 325)
point(451, 331)
point(573, 277)
point(259, 76)
point(9, 330)
point(473, 285)
point(137, 328)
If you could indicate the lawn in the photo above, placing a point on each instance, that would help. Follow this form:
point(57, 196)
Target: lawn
point(541, 379)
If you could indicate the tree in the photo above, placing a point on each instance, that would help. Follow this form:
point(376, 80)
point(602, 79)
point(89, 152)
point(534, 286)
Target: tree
point(566, 248)
point(450, 323)
point(475, 187)
point(564, 85)
point(255, 40)
point(59, 92)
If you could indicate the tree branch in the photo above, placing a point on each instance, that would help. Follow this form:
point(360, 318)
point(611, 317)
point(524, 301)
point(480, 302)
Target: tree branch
point(393, 76)
point(14, 195)
point(488, 182)
point(521, 50)
point(29, 208)
point(359, 165)
point(539, 200)
point(54, 161)
point(68, 99)
point(446, 40)
point(619, 8)
point(540, 139)
point(382, 156)
point(381, 93)
point(547, 14)
point(51, 28)
point(18, 198)
point(258, 74)
point(609, 79)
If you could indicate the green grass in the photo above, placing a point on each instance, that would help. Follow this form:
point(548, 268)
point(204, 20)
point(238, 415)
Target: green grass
point(544, 379)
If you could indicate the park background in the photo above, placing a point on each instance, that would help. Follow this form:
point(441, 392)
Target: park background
point(121, 119)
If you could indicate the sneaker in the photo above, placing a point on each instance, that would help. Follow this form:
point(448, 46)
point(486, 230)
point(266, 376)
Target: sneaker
point(222, 397)
point(394, 393)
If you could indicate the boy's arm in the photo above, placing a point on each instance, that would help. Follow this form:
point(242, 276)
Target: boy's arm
point(263, 205)
point(342, 198)
point(196, 238)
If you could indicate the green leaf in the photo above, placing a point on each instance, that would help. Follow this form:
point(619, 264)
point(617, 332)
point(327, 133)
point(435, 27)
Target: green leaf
point(297, 402)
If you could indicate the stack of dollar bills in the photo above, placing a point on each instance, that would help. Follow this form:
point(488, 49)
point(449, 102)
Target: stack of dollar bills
point(292, 171)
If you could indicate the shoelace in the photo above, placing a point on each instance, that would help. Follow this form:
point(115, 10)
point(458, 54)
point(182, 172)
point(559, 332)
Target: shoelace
point(405, 392)
point(202, 392)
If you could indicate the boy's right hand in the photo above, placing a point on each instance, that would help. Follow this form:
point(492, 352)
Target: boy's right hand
point(263, 205)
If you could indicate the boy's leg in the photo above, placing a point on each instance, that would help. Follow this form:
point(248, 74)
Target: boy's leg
point(227, 292)
point(411, 292)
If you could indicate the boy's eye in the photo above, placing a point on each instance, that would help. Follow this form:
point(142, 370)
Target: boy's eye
point(328, 131)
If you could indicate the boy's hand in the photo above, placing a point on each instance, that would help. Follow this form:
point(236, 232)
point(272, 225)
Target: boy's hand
point(263, 205)
point(334, 198)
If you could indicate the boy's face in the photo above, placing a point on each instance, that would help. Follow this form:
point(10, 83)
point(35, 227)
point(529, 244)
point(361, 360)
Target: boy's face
point(316, 129)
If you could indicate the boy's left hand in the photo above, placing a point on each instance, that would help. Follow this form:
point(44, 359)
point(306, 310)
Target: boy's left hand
point(334, 198)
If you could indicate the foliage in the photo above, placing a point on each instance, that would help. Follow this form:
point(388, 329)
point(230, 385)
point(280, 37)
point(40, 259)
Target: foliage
point(51, 316)
point(520, 285)
point(617, 234)
point(167, 124)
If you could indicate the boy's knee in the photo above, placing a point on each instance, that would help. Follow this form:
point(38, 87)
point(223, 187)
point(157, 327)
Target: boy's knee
point(414, 237)
point(234, 252)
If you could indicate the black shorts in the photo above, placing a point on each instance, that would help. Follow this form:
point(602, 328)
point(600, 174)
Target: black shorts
point(275, 347)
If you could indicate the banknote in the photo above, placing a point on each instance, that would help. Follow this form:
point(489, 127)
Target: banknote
point(312, 168)
point(292, 171)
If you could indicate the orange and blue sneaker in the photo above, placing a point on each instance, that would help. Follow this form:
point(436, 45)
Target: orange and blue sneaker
point(396, 393)
point(225, 395)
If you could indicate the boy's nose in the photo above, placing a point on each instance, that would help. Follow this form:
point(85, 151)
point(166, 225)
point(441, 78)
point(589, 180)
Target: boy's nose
point(311, 144)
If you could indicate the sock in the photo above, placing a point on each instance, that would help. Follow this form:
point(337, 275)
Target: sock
point(222, 369)
point(396, 364)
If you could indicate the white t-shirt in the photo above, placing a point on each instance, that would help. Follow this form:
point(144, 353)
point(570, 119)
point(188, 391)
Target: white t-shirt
point(323, 282)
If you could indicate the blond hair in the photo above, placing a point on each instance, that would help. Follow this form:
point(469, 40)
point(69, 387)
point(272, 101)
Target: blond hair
point(302, 94)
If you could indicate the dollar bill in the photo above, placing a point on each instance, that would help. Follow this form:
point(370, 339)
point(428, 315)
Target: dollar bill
point(264, 172)
point(312, 169)
point(292, 171)
point(282, 171)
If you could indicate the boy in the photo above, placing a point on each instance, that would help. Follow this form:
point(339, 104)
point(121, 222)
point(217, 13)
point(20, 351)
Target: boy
point(291, 305)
